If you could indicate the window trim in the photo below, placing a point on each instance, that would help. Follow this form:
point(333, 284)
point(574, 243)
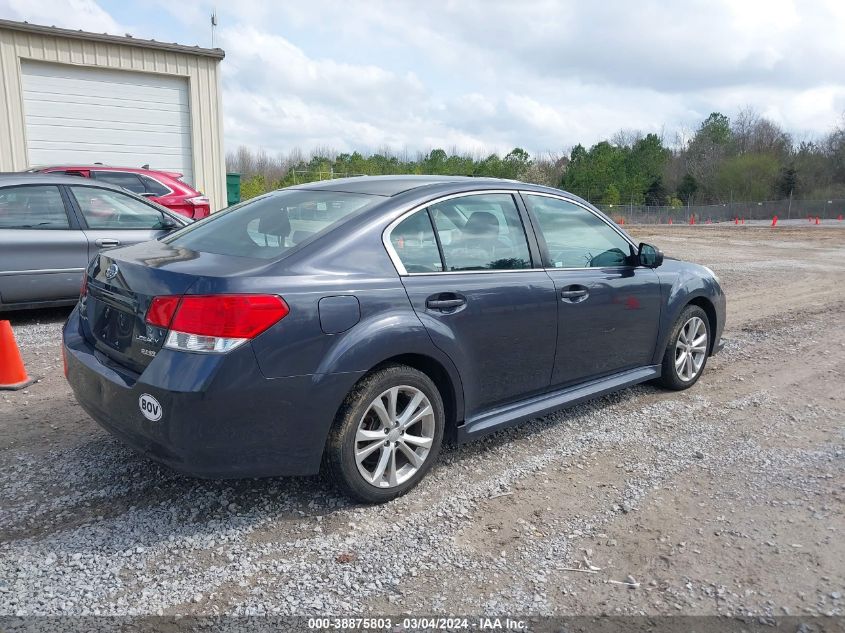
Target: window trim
point(541, 239)
point(69, 215)
point(397, 261)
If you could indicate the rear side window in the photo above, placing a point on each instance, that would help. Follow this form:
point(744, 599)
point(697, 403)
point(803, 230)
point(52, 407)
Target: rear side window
point(122, 179)
point(266, 227)
point(32, 207)
point(481, 232)
point(153, 186)
point(415, 245)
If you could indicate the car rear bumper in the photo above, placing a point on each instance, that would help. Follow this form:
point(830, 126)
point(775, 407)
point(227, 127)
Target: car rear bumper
point(221, 418)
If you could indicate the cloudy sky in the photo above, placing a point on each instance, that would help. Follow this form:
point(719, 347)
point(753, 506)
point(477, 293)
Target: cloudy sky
point(490, 75)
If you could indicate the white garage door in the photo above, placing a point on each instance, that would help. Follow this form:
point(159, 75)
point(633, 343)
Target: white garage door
point(89, 115)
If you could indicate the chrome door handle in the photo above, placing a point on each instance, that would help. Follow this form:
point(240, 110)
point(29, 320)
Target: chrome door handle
point(574, 293)
point(107, 241)
point(444, 304)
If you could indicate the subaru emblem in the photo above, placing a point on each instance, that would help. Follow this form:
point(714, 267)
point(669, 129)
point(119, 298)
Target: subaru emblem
point(111, 271)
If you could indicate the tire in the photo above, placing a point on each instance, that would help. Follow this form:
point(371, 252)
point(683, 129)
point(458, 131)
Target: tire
point(692, 367)
point(393, 464)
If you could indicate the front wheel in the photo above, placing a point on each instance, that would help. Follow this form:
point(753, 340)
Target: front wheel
point(387, 434)
point(686, 352)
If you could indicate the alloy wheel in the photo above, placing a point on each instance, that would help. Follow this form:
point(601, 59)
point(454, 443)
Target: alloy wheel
point(394, 436)
point(691, 349)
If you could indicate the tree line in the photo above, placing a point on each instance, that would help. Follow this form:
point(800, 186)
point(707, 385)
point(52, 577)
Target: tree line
point(723, 160)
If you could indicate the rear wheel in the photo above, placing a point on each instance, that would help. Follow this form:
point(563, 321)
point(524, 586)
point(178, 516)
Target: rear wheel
point(387, 434)
point(686, 352)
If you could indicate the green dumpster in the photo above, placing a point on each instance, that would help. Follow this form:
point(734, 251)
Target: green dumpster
point(233, 189)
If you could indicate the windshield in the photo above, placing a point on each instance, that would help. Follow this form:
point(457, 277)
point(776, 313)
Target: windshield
point(266, 227)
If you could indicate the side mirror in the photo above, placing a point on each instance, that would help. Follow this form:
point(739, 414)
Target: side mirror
point(649, 256)
point(168, 224)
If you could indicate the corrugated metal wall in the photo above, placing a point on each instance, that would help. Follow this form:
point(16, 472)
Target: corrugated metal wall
point(209, 170)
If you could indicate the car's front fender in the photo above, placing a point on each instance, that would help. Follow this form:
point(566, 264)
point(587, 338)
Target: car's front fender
point(681, 284)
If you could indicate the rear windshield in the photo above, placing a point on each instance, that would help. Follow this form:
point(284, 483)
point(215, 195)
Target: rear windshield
point(268, 226)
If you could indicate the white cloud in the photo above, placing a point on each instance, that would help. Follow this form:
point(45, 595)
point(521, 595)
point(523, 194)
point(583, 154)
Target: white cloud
point(71, 14)
point(494, 74)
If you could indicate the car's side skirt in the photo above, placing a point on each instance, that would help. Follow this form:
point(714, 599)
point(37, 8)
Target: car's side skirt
point(518, 412)
point(34, 305)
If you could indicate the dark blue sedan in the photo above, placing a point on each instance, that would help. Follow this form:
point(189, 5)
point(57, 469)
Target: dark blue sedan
point(358, 322)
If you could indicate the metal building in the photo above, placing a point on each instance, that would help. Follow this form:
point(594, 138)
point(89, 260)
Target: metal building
point(75, 97)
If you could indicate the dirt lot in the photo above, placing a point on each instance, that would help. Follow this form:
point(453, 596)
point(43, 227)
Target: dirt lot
point(724, 499)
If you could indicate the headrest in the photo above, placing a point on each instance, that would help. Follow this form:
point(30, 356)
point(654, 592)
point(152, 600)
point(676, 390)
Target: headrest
point(277, 224)
point(482, 224)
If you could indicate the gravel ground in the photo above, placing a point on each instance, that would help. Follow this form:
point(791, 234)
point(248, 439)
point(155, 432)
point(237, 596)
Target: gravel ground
point(724, 499)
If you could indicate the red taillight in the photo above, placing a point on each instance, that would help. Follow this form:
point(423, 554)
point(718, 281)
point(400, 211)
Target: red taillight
point(84, 289)
point(161, 310)
point(229, 316)
point(224, 316)
point(197, 200)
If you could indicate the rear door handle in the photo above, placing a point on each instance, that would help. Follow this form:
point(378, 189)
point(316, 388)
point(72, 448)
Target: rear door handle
point(445, 304)
point(107, 241)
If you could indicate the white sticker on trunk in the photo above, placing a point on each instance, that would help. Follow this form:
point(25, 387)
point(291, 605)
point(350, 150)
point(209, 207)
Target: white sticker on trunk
point(150, 407)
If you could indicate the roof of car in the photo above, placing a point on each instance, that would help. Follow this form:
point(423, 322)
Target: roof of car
point(94, 167)
point(394, 185)
point(28, 178)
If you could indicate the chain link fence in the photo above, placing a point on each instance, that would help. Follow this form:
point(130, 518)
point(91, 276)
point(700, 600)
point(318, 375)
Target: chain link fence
point(729, 212)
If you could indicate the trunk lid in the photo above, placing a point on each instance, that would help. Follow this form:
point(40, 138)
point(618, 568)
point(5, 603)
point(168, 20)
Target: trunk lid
point(121, 283)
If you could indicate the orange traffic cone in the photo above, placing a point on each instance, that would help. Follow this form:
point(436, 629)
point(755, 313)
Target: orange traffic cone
point(817, 220)
point(12, 372)
point(775, 221)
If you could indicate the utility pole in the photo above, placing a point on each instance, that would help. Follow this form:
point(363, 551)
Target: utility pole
point(789, 208)
point(213, 25)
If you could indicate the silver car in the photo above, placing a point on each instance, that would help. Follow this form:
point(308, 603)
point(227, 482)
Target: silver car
point(51, 227)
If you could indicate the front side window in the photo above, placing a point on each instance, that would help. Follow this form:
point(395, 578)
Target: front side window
point(32, 207)
point(106, 209)
point(127, 180)
point(266, 227)
point(481, 232)
point(414, 242)
point(575, 237)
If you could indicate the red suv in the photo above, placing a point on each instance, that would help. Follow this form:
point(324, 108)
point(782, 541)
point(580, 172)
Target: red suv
point(163, 187)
